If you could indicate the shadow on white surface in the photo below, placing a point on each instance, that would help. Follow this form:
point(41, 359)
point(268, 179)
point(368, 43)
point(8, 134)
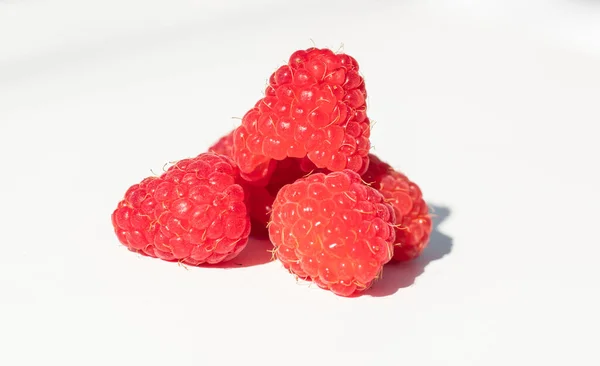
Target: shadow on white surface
point(401, 275)
point(257, 252)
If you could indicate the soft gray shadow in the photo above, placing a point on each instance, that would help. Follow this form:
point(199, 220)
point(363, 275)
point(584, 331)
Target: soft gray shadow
point(401, 275)
point(257, 252)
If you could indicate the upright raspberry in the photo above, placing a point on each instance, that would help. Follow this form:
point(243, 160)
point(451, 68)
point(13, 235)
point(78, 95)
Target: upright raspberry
point(334, 230)
point(193, 213)
point(413, 222)
point(314, 107)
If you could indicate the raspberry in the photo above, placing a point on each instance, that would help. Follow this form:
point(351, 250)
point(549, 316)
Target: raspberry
point(261, 194)
point(334, 230)
point(314, 107)
point(193, 213)
point(413, 222)
point(287, 171)
point(224, 146)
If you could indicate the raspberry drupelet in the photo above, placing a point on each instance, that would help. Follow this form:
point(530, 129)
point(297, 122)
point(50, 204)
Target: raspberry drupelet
point(193, 213)
point(314, 108)
point(413, 222)
point(334, 230)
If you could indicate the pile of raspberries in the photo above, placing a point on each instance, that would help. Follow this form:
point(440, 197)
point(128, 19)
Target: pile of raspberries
point(298, 168)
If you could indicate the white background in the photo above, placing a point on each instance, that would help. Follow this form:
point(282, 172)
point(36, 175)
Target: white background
point(491, 107)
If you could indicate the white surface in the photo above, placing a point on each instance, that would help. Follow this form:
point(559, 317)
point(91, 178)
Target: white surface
point(492, 107)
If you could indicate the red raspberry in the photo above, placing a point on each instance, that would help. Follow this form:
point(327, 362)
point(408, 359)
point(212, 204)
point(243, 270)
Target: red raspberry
point(314, 107)
point(334, 230)
point(286, 172)
point(193, 213)
point(224, 146)
point(260, 195)
point(413, 222)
